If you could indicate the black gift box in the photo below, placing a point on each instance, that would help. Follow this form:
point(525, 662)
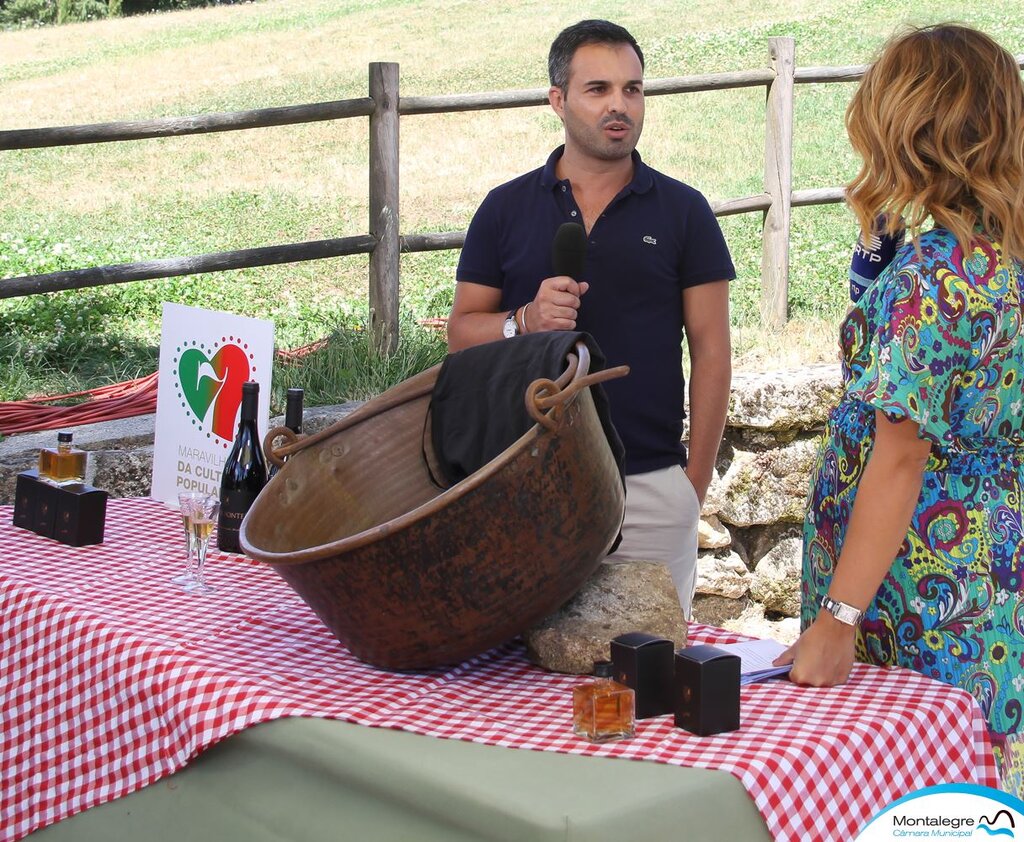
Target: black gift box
point(26, 490)
point(73, 514)
point(45, 509)
point(707, 690)
point(644, 662)
point(80, 516)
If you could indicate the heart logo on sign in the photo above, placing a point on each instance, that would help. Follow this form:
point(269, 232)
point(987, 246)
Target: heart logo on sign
point(216, 381)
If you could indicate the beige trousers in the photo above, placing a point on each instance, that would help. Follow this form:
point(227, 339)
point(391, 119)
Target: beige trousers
point(662, 513)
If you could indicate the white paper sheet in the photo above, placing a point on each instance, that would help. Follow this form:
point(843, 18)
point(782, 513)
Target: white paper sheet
point(756, 658)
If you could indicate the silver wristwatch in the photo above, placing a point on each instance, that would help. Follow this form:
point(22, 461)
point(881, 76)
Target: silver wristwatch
point(841, 611)
point(511, 326)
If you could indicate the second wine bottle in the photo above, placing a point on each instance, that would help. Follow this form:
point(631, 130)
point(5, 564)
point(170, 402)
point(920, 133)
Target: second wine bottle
point(245, 472)
point(292, 418)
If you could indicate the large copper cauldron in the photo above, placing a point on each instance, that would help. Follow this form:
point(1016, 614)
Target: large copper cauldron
point(410, 576)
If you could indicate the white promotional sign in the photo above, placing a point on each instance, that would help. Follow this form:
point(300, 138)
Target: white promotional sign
point(205, 357)
point(949, 811)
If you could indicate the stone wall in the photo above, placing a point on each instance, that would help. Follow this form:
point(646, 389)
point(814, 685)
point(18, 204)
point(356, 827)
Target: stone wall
point(748, 574)
point(749, 565)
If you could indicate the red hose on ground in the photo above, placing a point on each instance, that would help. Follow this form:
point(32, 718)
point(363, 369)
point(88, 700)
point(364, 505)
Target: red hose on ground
point(106, 403)
point(119, 400)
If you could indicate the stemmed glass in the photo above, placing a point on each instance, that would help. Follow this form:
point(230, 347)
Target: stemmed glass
point(204, 516)
point(186, 504)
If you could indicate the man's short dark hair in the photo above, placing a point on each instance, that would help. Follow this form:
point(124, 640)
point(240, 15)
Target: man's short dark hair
point(570, 39)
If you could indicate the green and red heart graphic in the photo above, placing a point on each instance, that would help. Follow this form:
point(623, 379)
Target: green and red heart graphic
point(218, 381)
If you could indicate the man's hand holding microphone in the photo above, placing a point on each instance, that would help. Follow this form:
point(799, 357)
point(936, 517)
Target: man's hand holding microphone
point(557, 302)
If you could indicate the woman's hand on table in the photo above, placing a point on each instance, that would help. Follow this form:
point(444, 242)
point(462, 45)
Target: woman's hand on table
point(823, 655)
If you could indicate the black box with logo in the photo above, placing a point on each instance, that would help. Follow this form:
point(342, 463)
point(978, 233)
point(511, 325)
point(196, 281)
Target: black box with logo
point(73, 514)
point(644, 662)
point(707, 690)
point(45, 511)
point(26, 491)
point(81, 515)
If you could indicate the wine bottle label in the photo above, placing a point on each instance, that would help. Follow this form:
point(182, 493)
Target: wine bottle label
point(233, 508)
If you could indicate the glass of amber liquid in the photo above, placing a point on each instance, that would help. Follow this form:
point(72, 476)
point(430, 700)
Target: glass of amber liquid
point(186, 503)
point(203, 517)
point(603, 709)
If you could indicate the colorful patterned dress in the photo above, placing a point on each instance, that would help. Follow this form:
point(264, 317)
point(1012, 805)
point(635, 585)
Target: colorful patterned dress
point(938, 338)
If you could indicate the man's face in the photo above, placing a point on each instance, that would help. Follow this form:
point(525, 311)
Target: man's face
point(603, 106)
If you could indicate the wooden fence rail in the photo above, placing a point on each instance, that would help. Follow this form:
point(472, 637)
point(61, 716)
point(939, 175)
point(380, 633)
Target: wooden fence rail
point(384, 243)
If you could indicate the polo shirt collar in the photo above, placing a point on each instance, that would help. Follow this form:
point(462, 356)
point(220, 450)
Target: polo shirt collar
point(641, 183)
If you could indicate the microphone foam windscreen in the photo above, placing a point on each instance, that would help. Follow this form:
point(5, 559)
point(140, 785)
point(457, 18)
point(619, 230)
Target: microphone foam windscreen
point(569, 250)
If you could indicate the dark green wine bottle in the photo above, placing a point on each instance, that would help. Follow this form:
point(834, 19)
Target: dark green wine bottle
point(245, 472)
point(292, 418)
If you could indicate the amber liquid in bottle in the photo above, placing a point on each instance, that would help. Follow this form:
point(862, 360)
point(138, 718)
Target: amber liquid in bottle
point(64, 465)
point(603, 709)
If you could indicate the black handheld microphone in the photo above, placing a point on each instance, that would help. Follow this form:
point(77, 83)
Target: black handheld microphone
point(569, 250)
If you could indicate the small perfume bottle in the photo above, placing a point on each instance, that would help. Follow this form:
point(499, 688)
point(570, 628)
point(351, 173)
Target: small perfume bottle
point(63, 466)
point(602, 710)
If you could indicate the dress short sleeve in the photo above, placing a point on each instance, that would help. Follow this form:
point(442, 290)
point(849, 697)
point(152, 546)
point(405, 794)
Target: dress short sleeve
point(917, 346)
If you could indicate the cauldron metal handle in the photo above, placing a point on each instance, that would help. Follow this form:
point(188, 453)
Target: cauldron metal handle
point(416, 386)
point(552, 395)
point(541, 395)
point(270, 451)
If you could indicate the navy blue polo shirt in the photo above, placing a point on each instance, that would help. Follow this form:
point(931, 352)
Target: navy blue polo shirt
point(657, 237)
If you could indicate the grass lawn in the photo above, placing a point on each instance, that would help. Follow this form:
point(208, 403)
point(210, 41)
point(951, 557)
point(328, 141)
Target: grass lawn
point(108, 203)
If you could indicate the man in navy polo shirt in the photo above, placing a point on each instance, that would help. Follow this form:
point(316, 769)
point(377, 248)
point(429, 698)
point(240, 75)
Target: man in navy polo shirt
point(657, 269)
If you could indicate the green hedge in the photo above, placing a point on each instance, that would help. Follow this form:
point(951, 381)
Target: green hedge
point(141, 7)
point(22, 14)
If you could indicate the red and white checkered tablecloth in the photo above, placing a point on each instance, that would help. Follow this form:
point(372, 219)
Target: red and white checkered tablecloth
point(111, 678)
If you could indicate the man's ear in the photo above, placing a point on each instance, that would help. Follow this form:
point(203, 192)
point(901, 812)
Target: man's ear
point(556, 99)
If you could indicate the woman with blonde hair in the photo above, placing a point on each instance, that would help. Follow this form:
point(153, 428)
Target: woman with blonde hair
point(913, 539)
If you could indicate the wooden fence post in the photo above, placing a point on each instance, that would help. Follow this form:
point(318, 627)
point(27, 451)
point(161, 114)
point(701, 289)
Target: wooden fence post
point(384, 259)
point(778, 184)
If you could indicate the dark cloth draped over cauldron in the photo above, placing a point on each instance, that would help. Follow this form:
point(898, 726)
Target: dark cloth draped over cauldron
point(478, 407)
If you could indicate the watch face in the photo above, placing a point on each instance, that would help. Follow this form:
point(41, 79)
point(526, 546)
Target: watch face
point(848, 614)
point(841, 611)
point(510, 327)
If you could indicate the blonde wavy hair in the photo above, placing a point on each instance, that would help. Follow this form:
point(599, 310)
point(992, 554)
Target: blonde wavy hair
point(939, 123)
